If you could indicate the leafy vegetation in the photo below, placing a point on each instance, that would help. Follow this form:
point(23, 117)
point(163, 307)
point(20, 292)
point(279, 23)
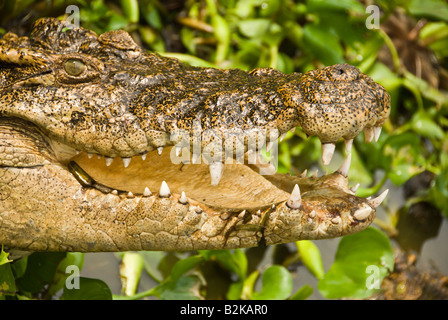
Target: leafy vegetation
point(292, 36)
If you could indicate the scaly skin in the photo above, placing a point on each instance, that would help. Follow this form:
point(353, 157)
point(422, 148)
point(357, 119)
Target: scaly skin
point(119, 101)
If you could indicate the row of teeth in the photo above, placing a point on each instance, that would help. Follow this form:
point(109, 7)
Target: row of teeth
point(295, 199)
point(216, 168)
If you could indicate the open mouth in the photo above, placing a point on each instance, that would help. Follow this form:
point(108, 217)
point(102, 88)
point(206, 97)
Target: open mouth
point(240, 186)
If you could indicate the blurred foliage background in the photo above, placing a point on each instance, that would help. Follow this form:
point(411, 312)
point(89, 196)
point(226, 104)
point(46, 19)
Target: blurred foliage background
point(406, 51)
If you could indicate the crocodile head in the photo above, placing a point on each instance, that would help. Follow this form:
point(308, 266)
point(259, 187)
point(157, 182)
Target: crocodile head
point(107, 147)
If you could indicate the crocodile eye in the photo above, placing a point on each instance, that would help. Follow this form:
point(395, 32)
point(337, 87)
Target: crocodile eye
point(74, 67)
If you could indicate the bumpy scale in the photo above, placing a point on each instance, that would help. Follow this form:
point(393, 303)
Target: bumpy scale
point(67, 94)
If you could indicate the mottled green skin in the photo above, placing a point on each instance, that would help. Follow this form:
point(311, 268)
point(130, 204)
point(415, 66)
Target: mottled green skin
point(128, 102)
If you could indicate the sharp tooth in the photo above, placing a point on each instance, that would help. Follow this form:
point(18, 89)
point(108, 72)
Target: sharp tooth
point(336, 220)
point(348, 145)
point(130, 194)
point(144, 156)
point(354, 188)
point(377, 201)
point(108, 161)
point(295, 200)
point(195, 158)
point(147, 192)
point(376, 133)
point(216, 169)
point(345, 167)
point(327, 152)
point(178, 151)
point(126, 161)
point(242, 214)
point(114, 192)
point(292, 130)
point(314, 175)
point(159, 150)
point(362, 213)
point(368, 134)
point(164, 190)
point(303, 175)
point(183, 198)
point(283, 136)
point(90, 155)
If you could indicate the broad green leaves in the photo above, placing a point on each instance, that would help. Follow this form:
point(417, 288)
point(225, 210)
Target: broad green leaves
point(362, 261)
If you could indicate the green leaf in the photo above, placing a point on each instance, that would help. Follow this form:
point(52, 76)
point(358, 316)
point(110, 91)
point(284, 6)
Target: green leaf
point(311, 258)
point(336, 5)
point(185, 265)
point(323, 44)
point(254, 28)
point(439, 192)
point(362, 261)
point(303, 293)
point(436, 9)
point(7, 281)
point(40, 271)
point(276, 284)
point(131, 10)
point(4, 257)
point(89, 289)
point(185, 288)
point(235, 261)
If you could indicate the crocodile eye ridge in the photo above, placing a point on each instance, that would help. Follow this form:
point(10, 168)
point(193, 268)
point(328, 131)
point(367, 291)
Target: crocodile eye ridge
point(74, 67)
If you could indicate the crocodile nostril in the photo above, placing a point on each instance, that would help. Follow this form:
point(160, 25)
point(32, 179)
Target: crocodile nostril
point(340, 71)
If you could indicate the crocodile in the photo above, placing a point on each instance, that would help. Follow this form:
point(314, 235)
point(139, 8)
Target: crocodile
point(108, 147)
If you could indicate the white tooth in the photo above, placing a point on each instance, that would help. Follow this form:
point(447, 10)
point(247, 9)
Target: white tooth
point(130, 194)
point(376, 133)
point(159, 150)
point(183, 198)
point(327, 152)
point(363, 212)
point(283, 136)
point(354, 188)
point(178, 151)
point(164, 190)
point(295, 200)
point(98, 156)
point(345, 167)
point(314, 175)
point(126, 161)
point(216, 169)
point(108, 161)
point(90, 155)
point(303, 175)
point(144, 156)
point(195, 158)
point(292, 130)
point(147, 192)
point(348, 145)
point(336, 220)
point(114, 192)
point(368, 134)
point(242, 214)
point(377, 201)
point(312, 214)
